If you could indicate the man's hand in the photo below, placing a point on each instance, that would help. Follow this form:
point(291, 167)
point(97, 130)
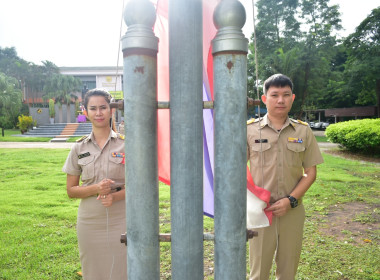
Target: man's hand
point(280, 207)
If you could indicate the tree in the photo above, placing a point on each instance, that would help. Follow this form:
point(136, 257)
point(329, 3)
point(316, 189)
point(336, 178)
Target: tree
point(10, 101)
point(61, 88)
point(363, 64)
point(11, 65)
point(32, 77)
point(277, 28)
point(318, 48)
point(305, 56)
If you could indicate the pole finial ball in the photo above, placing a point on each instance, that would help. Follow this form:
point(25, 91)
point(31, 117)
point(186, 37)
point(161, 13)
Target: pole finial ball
point(229, 13)
point(139, 12)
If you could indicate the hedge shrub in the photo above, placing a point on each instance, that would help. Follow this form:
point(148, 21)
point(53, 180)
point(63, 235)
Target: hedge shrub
point(357, 135)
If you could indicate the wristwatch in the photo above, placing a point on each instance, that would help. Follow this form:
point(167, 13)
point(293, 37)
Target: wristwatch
point(293, 201)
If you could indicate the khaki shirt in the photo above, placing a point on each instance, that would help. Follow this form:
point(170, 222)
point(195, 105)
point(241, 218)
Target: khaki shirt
point(95, 164)
point(277, 158)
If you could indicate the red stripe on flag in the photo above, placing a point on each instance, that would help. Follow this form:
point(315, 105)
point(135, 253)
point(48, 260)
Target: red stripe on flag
point(261, 193)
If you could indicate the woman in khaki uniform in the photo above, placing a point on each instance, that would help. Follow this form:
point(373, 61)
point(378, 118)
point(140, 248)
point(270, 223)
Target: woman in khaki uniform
point(98, 160)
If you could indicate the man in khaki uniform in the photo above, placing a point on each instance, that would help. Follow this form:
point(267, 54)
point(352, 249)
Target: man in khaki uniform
point(283, 155)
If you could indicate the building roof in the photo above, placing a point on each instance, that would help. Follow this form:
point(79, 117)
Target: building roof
point(365, 111)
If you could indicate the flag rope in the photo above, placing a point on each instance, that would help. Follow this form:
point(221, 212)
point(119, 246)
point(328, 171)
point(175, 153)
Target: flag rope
point(261, 147)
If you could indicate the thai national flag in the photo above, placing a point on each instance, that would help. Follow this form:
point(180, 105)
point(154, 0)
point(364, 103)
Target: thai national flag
point(257, 197)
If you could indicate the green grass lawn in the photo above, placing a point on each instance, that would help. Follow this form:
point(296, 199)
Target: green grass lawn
point(321, 139)
point(37, 222)
point(14, 135)
point(9, 136)
point(73, 139)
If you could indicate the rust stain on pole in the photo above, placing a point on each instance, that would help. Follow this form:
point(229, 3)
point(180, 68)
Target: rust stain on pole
point(229, 65)
point(139, 69)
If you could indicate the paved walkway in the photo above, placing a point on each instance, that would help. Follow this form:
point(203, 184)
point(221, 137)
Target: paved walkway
point(319, 132)
point(327, 145)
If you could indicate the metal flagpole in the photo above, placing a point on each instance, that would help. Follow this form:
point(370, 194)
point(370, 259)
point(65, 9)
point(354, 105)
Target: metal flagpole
point(230, 49)
point(186, 141)
point(140, 47)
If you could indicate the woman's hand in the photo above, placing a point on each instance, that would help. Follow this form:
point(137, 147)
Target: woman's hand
point(106, 200)
point(104, 186)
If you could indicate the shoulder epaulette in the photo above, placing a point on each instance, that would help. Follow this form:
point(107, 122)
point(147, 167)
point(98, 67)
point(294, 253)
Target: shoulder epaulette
point(250, 121)
point(81, 139)
point(301, 122)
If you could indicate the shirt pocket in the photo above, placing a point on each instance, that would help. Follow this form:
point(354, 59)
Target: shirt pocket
point(116, 168)
point(295, 154)
point(262, 154)
point(87, 165)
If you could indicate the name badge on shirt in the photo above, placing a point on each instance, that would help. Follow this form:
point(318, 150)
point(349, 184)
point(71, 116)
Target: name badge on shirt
point(84, 155)
point(295, 140)
point(261, 140)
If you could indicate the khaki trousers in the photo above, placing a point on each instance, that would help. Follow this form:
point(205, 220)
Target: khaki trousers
point(288, 230)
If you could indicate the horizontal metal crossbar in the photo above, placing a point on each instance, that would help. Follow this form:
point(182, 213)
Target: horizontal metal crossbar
point(166, 237)
point(166, 104)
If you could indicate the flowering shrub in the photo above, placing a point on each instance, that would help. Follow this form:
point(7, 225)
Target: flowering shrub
point(25, 122)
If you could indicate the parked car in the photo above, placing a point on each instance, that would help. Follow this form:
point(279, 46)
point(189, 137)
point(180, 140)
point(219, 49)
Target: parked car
point(311, 124)
point(318, 125)
point(324, 125)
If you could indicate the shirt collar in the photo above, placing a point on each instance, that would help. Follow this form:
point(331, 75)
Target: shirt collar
point(88, 138)
point(291, 124)
point(113, 134)
point(266, 122)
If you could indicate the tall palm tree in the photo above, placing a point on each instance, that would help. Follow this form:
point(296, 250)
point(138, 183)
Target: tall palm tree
point(61, 88)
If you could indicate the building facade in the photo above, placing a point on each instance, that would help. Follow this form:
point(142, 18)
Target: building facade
point(107, 77)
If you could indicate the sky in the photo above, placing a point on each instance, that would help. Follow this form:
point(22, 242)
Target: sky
point(87, 32)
